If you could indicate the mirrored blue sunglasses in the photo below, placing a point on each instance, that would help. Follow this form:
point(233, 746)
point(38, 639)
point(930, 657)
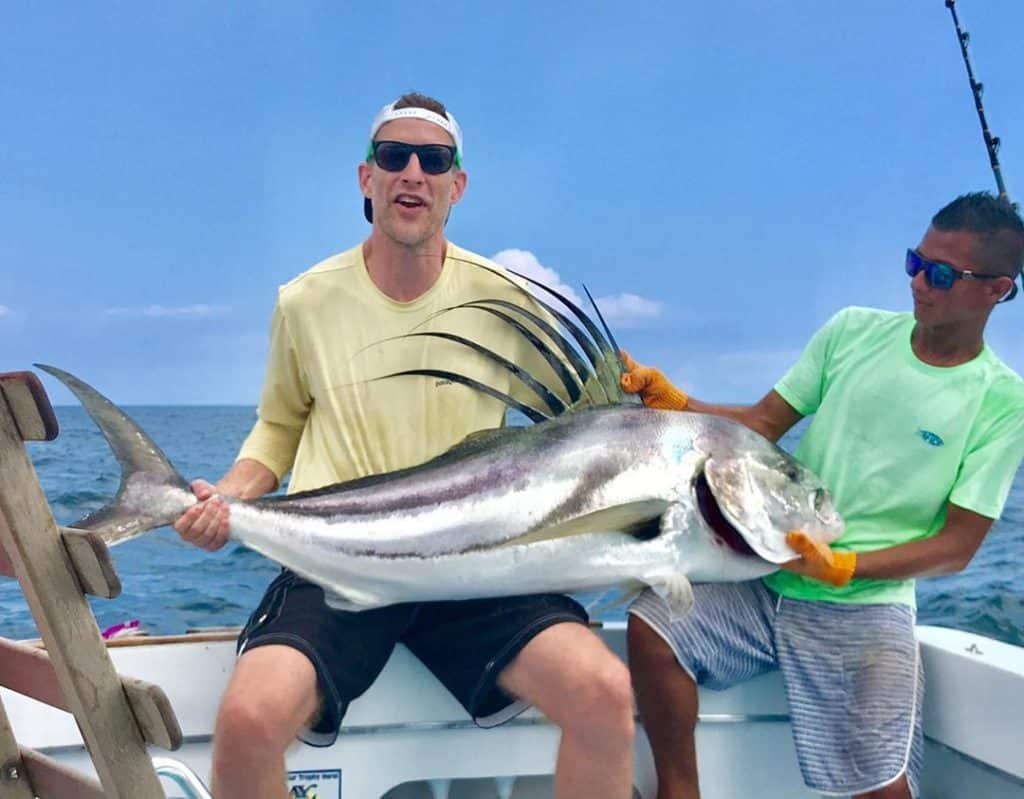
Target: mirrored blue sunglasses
point(942, 276)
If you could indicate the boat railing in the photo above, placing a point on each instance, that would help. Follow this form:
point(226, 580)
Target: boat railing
point(182, 776)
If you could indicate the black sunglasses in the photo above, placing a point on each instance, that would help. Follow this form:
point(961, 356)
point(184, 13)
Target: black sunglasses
point(942, 276)
point(393, 156)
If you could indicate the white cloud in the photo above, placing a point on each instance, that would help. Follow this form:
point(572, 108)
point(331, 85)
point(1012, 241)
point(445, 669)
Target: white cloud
point(526, 263)
point(628, 310)
point(622, 310)
point(161, 311)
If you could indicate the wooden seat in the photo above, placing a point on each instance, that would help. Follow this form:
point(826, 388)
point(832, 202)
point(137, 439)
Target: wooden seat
point(117, 716)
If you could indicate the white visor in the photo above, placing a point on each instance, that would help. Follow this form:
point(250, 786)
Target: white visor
point(446, 122)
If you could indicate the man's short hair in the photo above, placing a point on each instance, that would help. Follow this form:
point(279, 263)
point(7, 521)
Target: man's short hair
point(996, 225)
point(417, 100)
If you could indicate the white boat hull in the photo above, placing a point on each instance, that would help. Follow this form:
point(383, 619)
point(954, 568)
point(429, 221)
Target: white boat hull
point(407, 737)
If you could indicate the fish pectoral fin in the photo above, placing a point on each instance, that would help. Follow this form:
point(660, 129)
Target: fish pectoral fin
point(677, 592)
point(640, 519)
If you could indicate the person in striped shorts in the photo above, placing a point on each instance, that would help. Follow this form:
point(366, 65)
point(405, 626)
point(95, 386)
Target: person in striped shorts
point(918, 431)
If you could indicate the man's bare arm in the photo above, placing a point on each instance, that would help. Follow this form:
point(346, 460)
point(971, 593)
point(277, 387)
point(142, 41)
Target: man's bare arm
point(772, 416)
point(947, 552)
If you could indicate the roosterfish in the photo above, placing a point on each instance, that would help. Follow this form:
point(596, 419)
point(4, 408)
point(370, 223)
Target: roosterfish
point(598, 493)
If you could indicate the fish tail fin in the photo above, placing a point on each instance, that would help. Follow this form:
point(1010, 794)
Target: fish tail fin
point(142, 501)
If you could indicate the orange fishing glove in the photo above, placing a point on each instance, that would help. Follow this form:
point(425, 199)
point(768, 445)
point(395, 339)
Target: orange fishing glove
point(819, 561)
point(653, 387)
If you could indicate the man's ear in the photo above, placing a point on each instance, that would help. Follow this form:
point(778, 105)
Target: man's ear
point(365, 177)
point(459, 186)
point(1000, 288)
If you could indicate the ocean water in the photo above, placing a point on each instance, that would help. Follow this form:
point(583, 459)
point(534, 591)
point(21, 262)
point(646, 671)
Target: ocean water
point(170, 586)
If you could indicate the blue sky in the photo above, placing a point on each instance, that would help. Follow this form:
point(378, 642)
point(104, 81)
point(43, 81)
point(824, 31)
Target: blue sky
point(726, 175)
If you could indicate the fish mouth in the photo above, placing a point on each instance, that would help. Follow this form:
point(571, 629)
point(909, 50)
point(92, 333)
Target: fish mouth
point(715, 518)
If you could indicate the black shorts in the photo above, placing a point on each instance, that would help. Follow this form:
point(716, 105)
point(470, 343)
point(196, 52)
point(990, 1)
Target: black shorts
point(466, 644)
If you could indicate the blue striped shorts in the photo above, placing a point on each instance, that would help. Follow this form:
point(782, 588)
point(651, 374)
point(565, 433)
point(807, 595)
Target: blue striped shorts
point(852, 674)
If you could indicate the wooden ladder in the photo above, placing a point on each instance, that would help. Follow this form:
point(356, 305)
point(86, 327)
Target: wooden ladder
point(118, 716)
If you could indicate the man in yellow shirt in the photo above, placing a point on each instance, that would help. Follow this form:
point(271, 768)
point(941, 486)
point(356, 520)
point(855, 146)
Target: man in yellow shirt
point(324, 419)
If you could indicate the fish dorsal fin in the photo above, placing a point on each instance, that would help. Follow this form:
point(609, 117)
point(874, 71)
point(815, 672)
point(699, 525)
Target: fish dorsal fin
point(483, 437)
point(589, 381)
point(474, 442)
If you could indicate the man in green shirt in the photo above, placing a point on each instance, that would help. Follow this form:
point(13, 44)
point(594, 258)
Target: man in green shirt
point(918, 431)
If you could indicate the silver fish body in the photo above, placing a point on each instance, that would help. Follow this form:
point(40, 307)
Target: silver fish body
point(611, 496)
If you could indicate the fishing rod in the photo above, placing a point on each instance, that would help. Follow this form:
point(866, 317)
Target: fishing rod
point(977, 89)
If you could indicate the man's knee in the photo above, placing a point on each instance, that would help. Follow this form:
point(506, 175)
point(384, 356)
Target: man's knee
point(244, 729)
point(602, 702)
point(577, 682)
point(272, 694)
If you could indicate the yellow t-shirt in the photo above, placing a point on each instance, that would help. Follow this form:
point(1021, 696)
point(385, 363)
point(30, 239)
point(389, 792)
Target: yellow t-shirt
point(321, 413)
